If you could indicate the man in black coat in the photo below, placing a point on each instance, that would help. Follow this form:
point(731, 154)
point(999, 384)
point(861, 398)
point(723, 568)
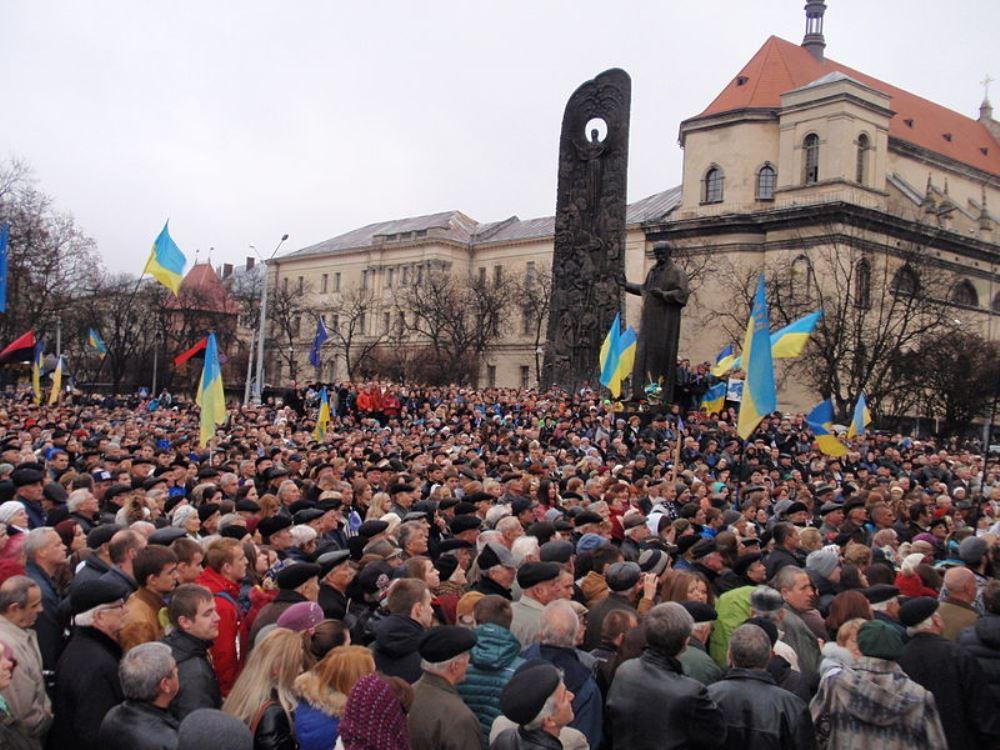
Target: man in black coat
point(960, 689)
point(87, 683)
point(759, 715)
point(397, 637)
point(46, 553)
point(149, 681)
point(651, 704)
point(624, 582)
point(336, 574)
point(982, 639)
point(196, 626)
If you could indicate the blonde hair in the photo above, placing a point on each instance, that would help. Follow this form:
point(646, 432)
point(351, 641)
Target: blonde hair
point(848, 631)
point(378, 507)
point(344, 666)
point(810, 539)
point(274, 664)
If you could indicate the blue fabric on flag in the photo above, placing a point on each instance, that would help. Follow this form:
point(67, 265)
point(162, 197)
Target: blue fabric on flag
point(4, 238)
point(321, 336)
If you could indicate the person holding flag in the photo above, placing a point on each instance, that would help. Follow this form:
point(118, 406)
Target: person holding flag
point(323, 418)
point(211, 395)
point(759, 394)
point(166, 262)
point(861, 419)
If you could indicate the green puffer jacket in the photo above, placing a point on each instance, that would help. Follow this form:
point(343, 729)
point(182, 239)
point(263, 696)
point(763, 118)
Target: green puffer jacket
point(733, 608)
point(493, 661)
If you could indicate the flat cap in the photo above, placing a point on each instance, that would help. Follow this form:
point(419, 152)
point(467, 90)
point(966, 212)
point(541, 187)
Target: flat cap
point(102, 534)
point(701, 612)
point(631, 520)
point(234, 531)
point(207, 510)
point(532, 573)
point(371, 528)
point(465, 522)
point(307, 515)
point(795, 507)
point(164, 536)
point(246, 505)
point(703, 548)
point(588, 542)
point(476, 497)
point(295, 575)
point(622, 576)
point(525, 694)
point(330, 560)
point(449, 545)
point(543, 531)
point(55, 492)
point(972, 549)
point(23, 475)
point(94, 593)
point(495, 554)
point(880, 592)
point(914, 611)
point(586, 517)
point(686, 542)
point(557, 550)
point(272, 525)
point(827, 508)
point(445, 642)
point(742, 563)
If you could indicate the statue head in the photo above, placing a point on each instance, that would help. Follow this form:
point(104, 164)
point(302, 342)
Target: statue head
point(661, 251)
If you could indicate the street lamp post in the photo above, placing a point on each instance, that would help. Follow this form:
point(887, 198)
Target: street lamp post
point(258, 384)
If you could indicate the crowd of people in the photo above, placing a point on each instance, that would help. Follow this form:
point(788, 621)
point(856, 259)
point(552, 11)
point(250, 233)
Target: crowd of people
point(462, 569)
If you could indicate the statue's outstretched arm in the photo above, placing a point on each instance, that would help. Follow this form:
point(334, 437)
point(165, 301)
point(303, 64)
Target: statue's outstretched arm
point(627, 285)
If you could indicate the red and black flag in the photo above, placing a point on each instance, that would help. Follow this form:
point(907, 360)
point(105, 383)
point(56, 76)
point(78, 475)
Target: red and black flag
point(22, 349)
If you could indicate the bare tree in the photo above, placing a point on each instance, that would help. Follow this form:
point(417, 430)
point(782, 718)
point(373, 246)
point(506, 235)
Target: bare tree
point(533, 292)
point(286, 310)
point(353, 327)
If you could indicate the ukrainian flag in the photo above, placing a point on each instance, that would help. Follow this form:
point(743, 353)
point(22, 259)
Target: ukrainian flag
point(759, 395)
point(861, 419)
point(166, 262)
point(724, 361)
point(94, 339)
point(610, 357)
point(211, 396)
point(36, 371)
point(820, 421)
point(714, 399)
point(56, 383)
point(627, 345)
point(792, 339)
point(324, 415)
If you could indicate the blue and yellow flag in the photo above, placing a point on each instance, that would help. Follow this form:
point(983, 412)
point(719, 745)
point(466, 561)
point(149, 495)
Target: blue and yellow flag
point(323, 418)
point(820, 421)
point(724, 361)
point(861, 419)
point(627, 345)
point(789, 341)
point(714, 399)
point(94, 339)
point(211, 396)
point(36, 370)
point(759, 395)
point(56, 383)
point(166, 262)
point(609, 358)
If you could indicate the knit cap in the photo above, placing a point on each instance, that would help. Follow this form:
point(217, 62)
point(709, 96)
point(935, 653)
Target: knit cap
point(210, 728)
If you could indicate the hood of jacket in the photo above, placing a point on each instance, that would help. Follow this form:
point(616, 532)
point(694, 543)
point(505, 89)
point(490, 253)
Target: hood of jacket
point(593, 587)
point(988, 631)
point(566, 659)
point(882, 686)
point(398, 635)
point(311, 689)
point(495, 648)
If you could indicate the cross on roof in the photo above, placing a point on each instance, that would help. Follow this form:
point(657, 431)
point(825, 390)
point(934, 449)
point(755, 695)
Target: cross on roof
point(986, 86)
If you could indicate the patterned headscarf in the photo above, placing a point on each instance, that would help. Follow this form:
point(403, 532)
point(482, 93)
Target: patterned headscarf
point(373, 718)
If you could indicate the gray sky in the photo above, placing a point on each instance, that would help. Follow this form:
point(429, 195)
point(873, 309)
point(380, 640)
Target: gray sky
point(244, 120)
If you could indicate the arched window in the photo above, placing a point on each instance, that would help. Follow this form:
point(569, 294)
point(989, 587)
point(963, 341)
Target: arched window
point(713, 185)
point(810, 159)
point(864, 145)
point(802, 279)
point(906, 282)
point(863, 285)
point(963, 293)
point(766, 179)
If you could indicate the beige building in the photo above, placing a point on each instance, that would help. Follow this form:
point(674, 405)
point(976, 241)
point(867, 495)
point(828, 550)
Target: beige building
point(800, 166)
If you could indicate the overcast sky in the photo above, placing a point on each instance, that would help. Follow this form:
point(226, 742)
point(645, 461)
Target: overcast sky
point(241, 121)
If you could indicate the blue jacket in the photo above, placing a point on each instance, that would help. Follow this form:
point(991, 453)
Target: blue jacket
point(491, 665)
point(588, 711)
point(315, 729)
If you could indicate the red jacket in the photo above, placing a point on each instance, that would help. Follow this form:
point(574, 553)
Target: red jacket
point(229, 647)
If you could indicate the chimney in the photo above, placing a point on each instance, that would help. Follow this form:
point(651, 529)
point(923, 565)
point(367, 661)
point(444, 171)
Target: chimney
point(813, 40)
point(250, 262)
point(227, 270)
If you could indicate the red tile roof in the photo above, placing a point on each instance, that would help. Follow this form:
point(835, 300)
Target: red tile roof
point(202, 289)
point(780, 66)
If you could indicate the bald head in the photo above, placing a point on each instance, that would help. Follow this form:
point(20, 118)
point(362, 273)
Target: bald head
point(961, 584)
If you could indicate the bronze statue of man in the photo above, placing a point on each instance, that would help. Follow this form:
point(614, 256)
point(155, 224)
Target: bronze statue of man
point(664, 294)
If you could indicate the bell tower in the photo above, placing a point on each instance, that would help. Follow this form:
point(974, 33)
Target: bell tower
point(813, 40)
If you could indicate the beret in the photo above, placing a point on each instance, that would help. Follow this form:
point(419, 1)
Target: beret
point(295, 575)
point(329, 503)
point(622, 576)
point(464, 522)
point(165, 536)
point(543, 531)
point(795, 507)
point(415, 515)
point(653, 560)
point(102, 534)
point(23, 475)
point(330, 560)
point(702, 548)
point(247, 506)
point(684, 543)
point(425, 506)
point(300, 505)
point(448, 545)
point(397, 488)
point(562, 524)
point(207, 510)
point(374, 577)
point(117, 489)
point(234, 531)
point(587, 516)
point(372, 528)
point(448, 502)
point(701, 612)
point(307, 515)
point(301, 616)
point(493, 555)
point(880, 640)
point(532, 573)
point(914, 611)
point(446, 565)
point(55, 492)
point(588, 542)
point(94, 593)
point(631, 520)
point(972, 549)
point(272, 525)
point(557, 550)
point(445, 642)
point(525, 694)
point(827, 508)
point(475, 497)
point(880, 592)
point(822, 489)
point(742, 563)
point(151, 481)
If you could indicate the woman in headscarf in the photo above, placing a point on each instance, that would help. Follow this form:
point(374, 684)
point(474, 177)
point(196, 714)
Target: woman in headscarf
point(374, 717)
